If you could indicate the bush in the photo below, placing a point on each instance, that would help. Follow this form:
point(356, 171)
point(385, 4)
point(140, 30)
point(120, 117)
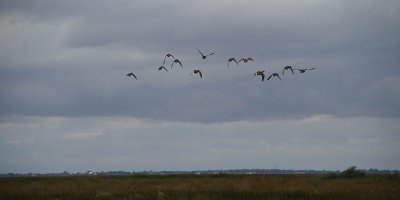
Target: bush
point(352, 172)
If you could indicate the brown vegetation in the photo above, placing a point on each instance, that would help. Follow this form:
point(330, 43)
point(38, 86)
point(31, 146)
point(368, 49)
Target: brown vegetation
point(200, 187)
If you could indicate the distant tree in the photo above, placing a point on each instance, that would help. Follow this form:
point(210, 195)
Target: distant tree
point(352, 172)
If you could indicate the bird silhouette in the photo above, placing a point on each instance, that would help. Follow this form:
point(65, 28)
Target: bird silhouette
point(161, 68)
point(168, 55)
point(131, 75)
point(304, 70)
point(199, 72)
point(176, 61)
point(260, 73)
point(204, 56)
point(274, 75)
point(232, 60)
point(287, 68)
point(245, 60)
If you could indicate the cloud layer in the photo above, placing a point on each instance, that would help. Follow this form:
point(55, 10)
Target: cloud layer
point(68, 60)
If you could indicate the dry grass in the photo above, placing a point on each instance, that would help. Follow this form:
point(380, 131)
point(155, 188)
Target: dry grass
point(200, 187)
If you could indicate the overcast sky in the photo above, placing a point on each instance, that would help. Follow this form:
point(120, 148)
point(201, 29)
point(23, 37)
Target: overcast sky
point(67, 105)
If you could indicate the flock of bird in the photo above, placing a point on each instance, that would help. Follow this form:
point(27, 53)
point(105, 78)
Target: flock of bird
point(260, 73)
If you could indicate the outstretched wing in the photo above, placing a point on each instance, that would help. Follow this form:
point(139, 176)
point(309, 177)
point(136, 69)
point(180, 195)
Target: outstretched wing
point(179, 62)
point(131, 74)
point(233, 59)
point(201, 75)
point(200, 53)
point(300, 70)
point(230, 60)
point(269, 77)
point(262, 76)
point(251, 59)
point(278, 76)
point(242, 59)
point(168, 55)
point(165, 57)
point(162, 67)
point(210, 54)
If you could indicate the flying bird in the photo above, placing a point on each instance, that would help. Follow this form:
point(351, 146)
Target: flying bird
point(287, 68)
point(161, 68)
point(199, 72)
point(245, 60)
point(204, 56)
point(304, 70)
point(274, 75)
point(232, 60)
point(168, 55)
point(176, 61)
point(260, 73)
point(131, 75)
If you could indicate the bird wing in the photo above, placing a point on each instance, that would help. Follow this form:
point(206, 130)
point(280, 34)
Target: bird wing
point(262, 76)
point(291, 70)
point(200, 52)
point(235, 60)
point(278, 76)
point(297, 69)
point(162, 67)
point(230, 60)
point(201, 75)
point(134, 76)
point(165, 57)
point(210, 54)
point(269, 77)
point(283, 71)
point(251, 59)
point(244, 60)
point(179, 62)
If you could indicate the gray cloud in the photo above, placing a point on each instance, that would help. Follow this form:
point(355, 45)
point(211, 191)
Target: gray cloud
point(74, 144)
point(69, 59)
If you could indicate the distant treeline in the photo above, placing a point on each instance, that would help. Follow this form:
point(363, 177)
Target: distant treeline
point(221, 171)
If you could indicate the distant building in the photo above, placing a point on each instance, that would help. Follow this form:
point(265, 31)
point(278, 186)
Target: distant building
point(91, 173)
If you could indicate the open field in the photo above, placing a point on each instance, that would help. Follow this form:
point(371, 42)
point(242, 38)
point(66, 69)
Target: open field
point(200, 187)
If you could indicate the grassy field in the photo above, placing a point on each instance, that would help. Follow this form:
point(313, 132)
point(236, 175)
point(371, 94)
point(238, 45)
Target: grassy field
point(200, 187)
